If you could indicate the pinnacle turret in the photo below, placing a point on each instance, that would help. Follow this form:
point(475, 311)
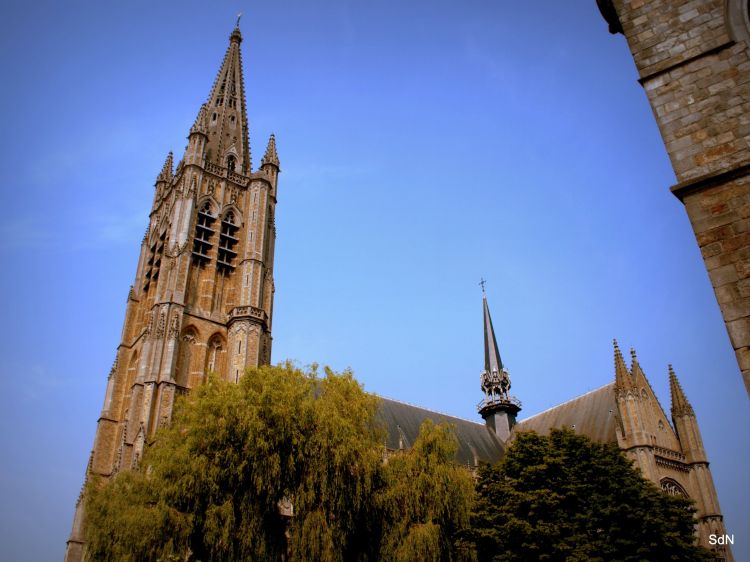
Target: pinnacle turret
point(270, 157)
point(201, 122)
point(638, 376)
point(680, 404)
point(623, 380)
point(166, 173)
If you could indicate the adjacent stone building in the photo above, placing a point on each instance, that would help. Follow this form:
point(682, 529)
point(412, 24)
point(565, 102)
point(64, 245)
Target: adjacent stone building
point(693, 58)
point(202, 301)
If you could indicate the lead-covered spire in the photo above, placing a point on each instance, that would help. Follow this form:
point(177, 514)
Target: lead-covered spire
point(492, 361)
point(228, 141)
point(498, 408)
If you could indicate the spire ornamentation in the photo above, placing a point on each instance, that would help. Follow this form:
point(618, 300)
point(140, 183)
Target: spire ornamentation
point(166, 173)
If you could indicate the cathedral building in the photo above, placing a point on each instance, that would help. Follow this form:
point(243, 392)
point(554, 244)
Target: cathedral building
point(202, 301)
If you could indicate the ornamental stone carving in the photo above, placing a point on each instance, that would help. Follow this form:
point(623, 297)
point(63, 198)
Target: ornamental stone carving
point(174, 326)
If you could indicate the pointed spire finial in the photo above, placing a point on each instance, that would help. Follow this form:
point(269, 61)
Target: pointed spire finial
point(166, 170)
point(680, 404)
point(622, 377)
point(482, 282)
point(236, 35)
point(270, 157)
point(201, 121)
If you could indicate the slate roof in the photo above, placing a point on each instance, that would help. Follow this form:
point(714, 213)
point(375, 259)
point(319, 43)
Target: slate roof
point(402, 421)
point(591, 414)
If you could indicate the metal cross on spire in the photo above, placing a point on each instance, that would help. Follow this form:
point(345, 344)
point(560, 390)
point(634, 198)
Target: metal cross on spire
point(482, 282)
point(239, 15)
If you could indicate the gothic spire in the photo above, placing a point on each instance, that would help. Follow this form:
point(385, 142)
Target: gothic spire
point(228, 143)
point(166, 169)
point(680, 404)
point(270, 157)
point(623, 380)
point(201, 122)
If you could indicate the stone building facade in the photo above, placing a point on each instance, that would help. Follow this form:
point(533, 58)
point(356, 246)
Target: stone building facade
point(693, 58)
point(202, 299)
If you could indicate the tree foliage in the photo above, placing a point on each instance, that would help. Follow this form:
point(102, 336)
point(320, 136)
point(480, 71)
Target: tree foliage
point(210, 486)
point(426, 500)
point(565, 497)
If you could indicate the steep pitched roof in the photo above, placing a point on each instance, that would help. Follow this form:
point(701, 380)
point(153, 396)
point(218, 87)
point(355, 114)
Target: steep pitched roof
point(475, 441)
point(592, 414)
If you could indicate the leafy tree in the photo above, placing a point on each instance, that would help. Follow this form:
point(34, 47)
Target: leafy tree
point(426, 500)
point(210, 485)
point(565, 497)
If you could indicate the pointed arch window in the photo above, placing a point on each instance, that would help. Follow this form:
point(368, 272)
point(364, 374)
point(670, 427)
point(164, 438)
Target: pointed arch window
point(227, 242)
point(231, 162)
point(215, 355)
point(672, 488)
point(203, 234)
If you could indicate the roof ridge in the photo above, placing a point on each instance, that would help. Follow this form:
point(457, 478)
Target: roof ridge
point(427, 409)
point(567, 402)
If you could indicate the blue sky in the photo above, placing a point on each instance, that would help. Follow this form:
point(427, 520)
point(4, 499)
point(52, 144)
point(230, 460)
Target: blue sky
point(423, 145)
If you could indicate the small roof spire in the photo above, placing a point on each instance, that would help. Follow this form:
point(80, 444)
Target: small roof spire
point(270, 157)
point(623, 379)
point(680, 404)
point(166, 170)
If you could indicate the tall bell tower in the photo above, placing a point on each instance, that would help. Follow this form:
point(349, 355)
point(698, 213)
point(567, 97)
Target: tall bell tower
point(202, 299)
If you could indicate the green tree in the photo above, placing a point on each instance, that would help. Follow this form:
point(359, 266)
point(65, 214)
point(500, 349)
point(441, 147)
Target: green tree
point(565, 497)
point(210, 485)
point(426, 500)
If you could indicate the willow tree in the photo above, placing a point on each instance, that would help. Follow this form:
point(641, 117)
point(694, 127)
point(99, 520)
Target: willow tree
point(426, 500)
point(210, 486)
point(565, 497)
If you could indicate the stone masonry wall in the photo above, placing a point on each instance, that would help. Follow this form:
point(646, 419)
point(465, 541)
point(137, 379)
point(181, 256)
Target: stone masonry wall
point(693, 58)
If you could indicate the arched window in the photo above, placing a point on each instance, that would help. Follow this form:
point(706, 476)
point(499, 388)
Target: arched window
point(672, 488)
point(231, 162)
point(215, 355)
point(203, 234)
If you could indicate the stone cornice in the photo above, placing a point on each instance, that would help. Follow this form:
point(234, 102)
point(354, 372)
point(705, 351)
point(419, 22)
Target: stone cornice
point(694, 185)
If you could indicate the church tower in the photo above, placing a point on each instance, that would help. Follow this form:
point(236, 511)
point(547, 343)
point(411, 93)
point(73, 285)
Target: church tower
point(202, 299)
point(498, 408)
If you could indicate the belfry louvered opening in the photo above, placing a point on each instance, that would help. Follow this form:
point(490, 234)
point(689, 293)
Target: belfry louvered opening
point(154, 261)
point(227, 242)
point(203, 234)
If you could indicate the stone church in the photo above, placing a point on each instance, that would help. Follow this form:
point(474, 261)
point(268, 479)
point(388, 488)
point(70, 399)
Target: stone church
point(202, 301)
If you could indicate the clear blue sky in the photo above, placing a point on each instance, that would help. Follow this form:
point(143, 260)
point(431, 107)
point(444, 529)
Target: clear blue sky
point(424, 145)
